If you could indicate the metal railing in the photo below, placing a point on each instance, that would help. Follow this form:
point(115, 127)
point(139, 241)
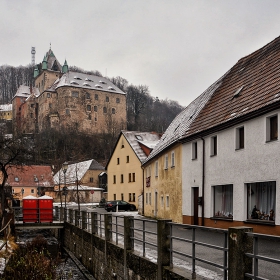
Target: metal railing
point(117, 229)
point(255, 256)
point(194, 243)
point(141, 234)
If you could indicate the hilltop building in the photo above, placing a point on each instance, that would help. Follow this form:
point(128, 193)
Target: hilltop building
point(63, 99)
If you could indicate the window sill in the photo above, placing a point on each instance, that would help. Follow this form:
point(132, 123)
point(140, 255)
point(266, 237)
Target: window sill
point(213, 155)
point(194, 158)
point(262, 222)
point(239, 149)
point(222, 218)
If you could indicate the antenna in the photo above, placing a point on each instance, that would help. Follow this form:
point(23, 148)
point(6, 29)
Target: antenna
point(33, 55)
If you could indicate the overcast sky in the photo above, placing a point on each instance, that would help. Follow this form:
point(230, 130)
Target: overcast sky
point(176, 47)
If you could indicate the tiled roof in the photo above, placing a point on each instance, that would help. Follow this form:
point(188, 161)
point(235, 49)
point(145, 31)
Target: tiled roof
point(180, 125)
point(24, 91)
point(30, 176)
point(86, 81)
point(250, 85)
point(136, 137)
point(6, 107)
point(76, 171)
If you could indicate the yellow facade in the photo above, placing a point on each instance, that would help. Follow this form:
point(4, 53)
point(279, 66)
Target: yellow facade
point(6, 112)
point(125, 175)
point(163, 186)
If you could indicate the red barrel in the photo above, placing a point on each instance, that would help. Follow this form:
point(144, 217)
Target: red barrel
point(30, 209)
point(45, 209)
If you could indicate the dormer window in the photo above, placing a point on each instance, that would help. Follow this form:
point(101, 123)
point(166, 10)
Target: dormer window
point(86, 84)
point(16, 179)
point(102, 82)
point(74, 83)
point(35, 179)
point(77, 78)
point(111, 88)
point(98, 86)
point(89, 80)
point(139, 137)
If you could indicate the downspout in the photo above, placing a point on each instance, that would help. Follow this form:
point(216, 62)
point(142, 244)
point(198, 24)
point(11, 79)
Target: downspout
point(143, 186)
point(203, 179)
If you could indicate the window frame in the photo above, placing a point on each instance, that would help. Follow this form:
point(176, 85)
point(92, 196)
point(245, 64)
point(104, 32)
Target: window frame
point(166, 161)
point(194, 150)
point(172, 159)
point(240, 138)
point(272, 128)
point(213, 146)
point(167, 201)
point(226, 189)
point(156, 168)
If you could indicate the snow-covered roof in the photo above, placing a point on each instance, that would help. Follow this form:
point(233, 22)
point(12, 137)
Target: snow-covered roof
point(76, 171)
point(149, 139)
point(24, 91)
point(183, 120)
point(6, 107)
point(81, 188)
point(81, 80)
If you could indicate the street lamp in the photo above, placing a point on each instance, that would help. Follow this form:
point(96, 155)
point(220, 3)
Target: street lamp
point(64, 169)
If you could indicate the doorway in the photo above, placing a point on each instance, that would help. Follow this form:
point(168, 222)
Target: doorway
point(195, 205)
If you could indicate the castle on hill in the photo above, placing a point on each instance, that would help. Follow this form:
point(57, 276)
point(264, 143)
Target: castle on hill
point(63, 99)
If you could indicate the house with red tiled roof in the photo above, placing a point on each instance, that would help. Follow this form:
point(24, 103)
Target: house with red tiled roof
point(25, 180)
point(230, 151)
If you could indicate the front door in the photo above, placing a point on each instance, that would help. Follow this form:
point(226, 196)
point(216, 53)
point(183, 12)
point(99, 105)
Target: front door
point(195, 205)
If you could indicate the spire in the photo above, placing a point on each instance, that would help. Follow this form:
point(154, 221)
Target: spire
point(65, 67)
point(36, 71)
point(45, 63)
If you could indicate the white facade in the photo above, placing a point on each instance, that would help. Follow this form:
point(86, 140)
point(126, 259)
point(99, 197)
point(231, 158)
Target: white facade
point(258, 161)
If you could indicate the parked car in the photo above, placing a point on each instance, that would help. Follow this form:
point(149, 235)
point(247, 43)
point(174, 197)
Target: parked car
point(102, 202)
point(122, 205)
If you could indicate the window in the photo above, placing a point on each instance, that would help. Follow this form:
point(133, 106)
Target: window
point(67, 112)
point(114, 179)
point(87, 95)
point(223, 200)
point(194, 150)
point(113, 111)
point(147, 198)
point(122, 196)
point(133, 177)
point(121, 178)
point(89, 116)
point(166, 161)
point(75, 94)
point(32, 191)
point(31, 115)
point(118, 160)
point(130, 199)
point(213, 151)
point(161, 201)
point(127, 159)
point(115, 196)
point(272, 128)
point(50, 105)
point(133, 197)
point(88, 108)
point(117, 100)
point(150, 198)
point(48, 95)
point(240, 138)
point(129, 177)
point(16, 179)
point(104, 110)
point(96, 96)
point(32, 105)
point(167, 201)
point(172, 159)
point(91, 179)
point(95, 108)
point(107, 98)
point(261, 201)
point(156, 169)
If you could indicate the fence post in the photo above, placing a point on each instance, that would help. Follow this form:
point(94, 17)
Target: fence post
point(128, 243)
point(94, 229)
point(239, 243)
point(163, 246)
point(76, 218)
point(108, 226)
point(84, 218)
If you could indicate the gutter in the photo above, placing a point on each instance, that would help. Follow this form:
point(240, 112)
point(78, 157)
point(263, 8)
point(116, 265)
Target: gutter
point(203, 179)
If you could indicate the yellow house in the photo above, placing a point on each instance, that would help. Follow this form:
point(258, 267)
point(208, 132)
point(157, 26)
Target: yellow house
point(6, 112)
point(125, 175)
